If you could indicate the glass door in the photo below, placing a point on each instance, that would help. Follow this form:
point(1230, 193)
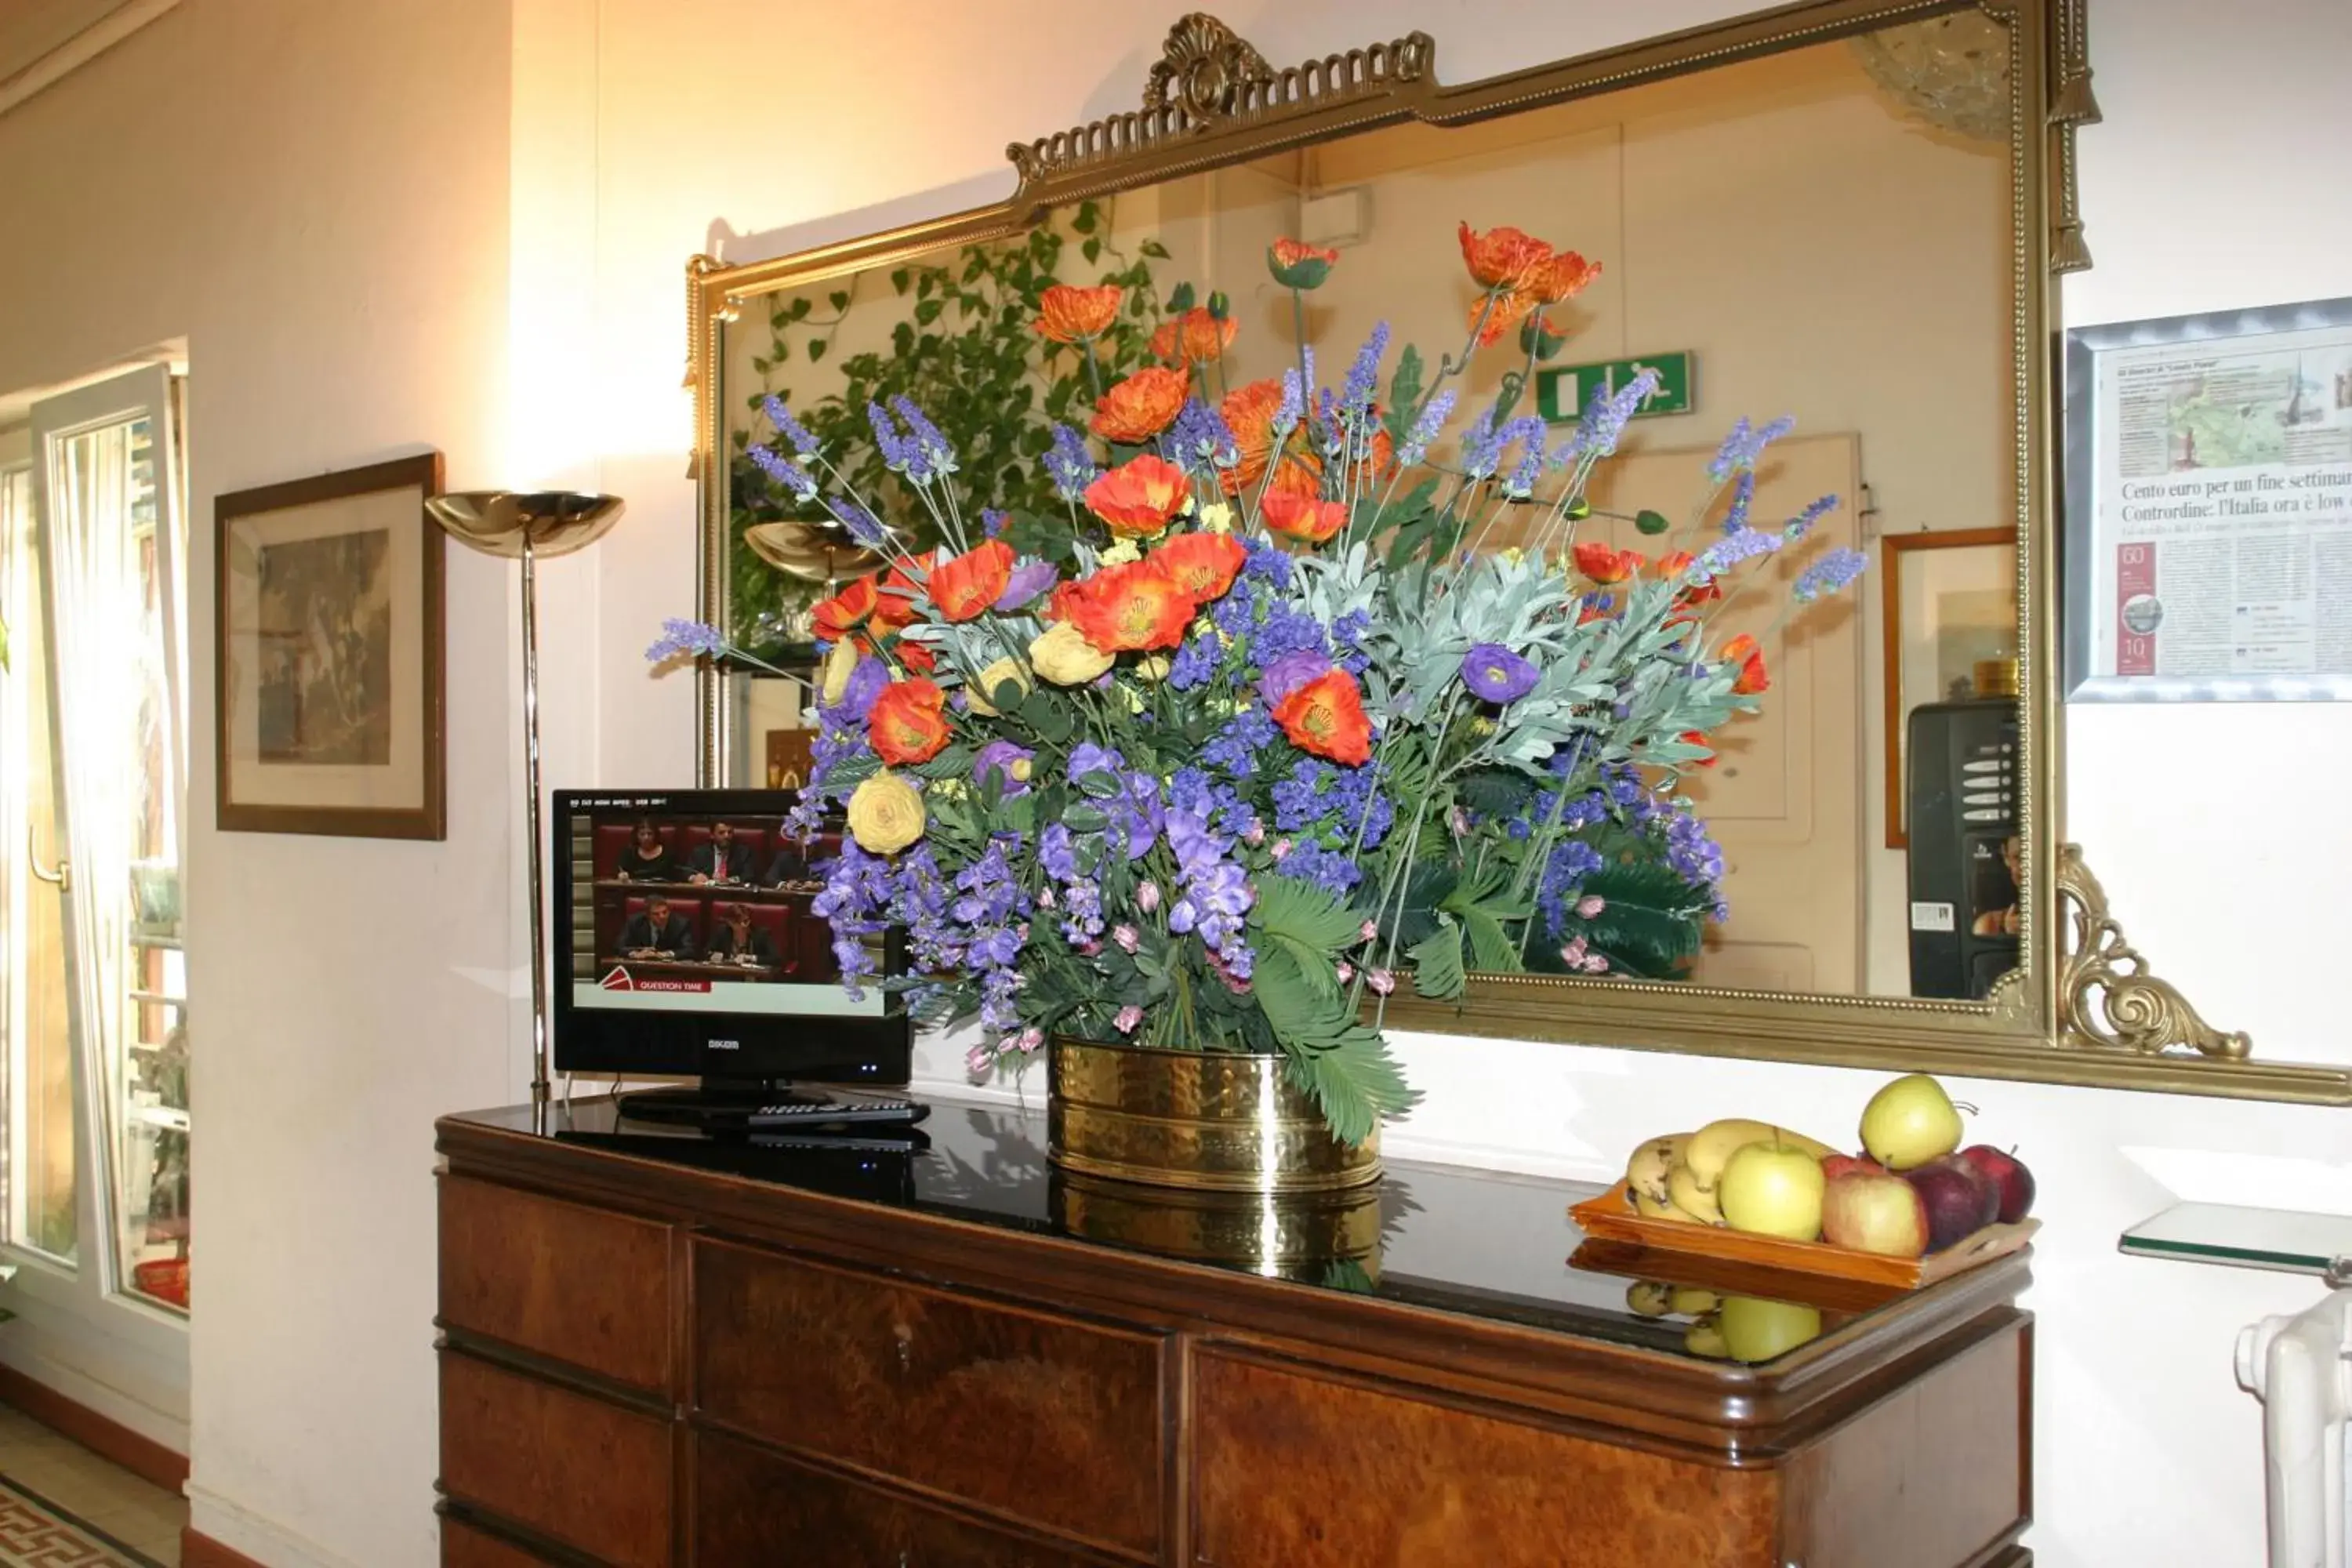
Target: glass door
point(95, 975)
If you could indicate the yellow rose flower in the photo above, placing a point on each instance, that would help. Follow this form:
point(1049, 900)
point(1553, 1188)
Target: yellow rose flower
point(837, 666)
point(985, 683)
point(1217, 518)
point(886, 813)
point(1063, 657)
point(1122, 551)
point(1154, 667)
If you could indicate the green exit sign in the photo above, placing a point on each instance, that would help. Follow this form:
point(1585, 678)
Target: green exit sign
point(1565, 392)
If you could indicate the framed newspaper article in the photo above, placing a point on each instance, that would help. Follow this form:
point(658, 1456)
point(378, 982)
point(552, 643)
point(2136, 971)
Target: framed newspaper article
point(2209, 508)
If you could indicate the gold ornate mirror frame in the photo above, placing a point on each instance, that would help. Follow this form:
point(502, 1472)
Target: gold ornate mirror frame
point(2083, 1007)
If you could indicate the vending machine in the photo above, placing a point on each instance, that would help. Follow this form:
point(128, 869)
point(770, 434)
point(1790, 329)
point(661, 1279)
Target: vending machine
point(1961, 807)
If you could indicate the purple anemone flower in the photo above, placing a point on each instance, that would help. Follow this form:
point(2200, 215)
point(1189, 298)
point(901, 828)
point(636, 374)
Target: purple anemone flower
point(1496, 674)
point(1028, 579)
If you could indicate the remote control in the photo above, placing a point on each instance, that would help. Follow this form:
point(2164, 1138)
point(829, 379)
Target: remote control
point(799, 1115)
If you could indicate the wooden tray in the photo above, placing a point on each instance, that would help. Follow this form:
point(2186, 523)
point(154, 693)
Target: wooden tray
point(1613, 1218)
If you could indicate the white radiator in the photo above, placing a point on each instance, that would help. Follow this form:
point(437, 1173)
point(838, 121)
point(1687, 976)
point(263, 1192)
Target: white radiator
point(2300, 1369)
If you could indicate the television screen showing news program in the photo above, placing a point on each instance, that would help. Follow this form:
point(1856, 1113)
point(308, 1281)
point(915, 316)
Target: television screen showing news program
point(680, 912)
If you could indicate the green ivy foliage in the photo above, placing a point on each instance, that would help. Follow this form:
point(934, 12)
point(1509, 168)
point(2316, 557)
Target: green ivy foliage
point(964, 350)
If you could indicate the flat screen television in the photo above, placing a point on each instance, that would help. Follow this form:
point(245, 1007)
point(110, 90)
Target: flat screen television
point(685, 945)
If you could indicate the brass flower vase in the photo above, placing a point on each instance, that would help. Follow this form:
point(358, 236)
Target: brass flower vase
point(1319, 1238)
point(1204, 1122)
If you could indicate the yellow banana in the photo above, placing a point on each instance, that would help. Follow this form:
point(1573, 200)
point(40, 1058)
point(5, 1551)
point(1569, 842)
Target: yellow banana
point(1648, 1299)
point(1704, 1338)
point(1683, 1189)
point(1645, 1172)
point(1652, 1209)
point(1690, 1301)
point(1711, 1147)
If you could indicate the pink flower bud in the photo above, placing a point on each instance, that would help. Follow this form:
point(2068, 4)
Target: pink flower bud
point(1281, 847)
point(1254, 834)
point(979, 1059)
point(1045, 897)
point(1594, 963)
point(1370, 932)
point(1347, 971)
point(1381, 980)
point(1460, 822)
point(1147, 896)
point(1127, 937)
point(1128, 1018)
point(1590, 905)
point(1032, 1038)
point(1573, 953)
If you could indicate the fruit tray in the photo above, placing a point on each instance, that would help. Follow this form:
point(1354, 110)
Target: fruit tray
point(1613, 1218)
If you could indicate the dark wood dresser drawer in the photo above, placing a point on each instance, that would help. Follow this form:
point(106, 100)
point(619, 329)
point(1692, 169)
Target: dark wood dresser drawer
point(1375, 1476)
point(1048, 1420)
point(463, 1546)
point(751, 1507)
point(582, 1286)
point(571, 1468)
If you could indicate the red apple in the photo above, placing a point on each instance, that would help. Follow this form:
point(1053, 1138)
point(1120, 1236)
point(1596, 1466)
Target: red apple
point(1959, 1200)
point(2008, 1177)
point(1836, 1165)
point(1869, 1210)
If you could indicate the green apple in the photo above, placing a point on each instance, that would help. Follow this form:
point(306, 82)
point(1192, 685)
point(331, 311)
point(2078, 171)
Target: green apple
point(1909, 1122)
point(1756, 1330)
point(1772, 1189)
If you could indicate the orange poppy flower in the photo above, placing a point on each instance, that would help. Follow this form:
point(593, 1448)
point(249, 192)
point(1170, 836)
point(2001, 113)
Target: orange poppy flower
point(836, 617)
point(1563, 275)
point(1298, 264)
point(1142, 405)
point(1133, 606)
point(1297, 476)
point(1743, 651)
point(894, 609)
point(1603, 564)
point(916, 656)
point(906, 725)
point(1699, 737)
point(1296, 516)
point(962, 587)
point(1140, 496)
point(1599, 611)
point(1325, 717)
point(1069, 314)
point(1194, 337)
point(1249, 411)
point(1673, 565)
point(1492, 315)
point(1503, 256)
point(1202, 564)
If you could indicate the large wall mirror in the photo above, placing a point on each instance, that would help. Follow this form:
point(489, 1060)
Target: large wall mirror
point(1848, 214)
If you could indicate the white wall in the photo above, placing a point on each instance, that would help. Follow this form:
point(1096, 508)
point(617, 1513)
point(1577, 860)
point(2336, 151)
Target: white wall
point(316, 196)
point(2148, 1453)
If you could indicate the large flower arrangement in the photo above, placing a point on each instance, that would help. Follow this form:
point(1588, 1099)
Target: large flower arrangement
point(1267, 719)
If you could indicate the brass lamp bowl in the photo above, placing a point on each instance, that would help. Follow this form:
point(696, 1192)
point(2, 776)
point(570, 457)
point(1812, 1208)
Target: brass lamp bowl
point(498, 522)
point(804, 550)
point(1209, 1122)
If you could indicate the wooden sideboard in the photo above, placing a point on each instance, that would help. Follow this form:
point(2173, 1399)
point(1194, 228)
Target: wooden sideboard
point(660, 1349)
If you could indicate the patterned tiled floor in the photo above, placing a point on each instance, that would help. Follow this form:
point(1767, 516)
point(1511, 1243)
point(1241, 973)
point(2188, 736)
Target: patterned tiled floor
point(61, 1471)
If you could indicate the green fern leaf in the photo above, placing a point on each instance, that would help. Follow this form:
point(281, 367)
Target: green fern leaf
point(1437, 968)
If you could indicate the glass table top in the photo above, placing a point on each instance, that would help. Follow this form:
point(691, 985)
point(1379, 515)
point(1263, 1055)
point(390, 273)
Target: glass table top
point(1480, 1243)
point(2240, 1237)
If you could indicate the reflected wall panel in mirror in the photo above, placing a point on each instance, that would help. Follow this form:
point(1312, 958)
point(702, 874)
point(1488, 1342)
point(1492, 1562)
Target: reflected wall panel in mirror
point(1839, 213)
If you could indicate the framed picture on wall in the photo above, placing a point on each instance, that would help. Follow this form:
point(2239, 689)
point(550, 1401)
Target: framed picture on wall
point(2208, 506)
point(328, 654)
point(1950, 610)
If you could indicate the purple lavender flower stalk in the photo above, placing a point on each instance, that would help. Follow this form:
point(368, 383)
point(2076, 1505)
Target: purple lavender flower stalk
point(1827, 575)
point(780, 420)
point(1425, 429)
point(685, 639)
point(783, 472)
point(1069, 464)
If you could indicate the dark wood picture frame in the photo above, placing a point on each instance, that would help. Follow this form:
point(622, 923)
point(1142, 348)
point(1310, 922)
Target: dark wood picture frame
point(427, 818)
point(1890, 590)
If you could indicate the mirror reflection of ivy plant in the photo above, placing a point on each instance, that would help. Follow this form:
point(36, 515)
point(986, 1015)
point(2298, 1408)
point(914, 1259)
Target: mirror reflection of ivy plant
point(968, 353)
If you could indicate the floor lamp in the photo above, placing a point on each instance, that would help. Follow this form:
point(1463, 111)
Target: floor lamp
point(529, 528)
